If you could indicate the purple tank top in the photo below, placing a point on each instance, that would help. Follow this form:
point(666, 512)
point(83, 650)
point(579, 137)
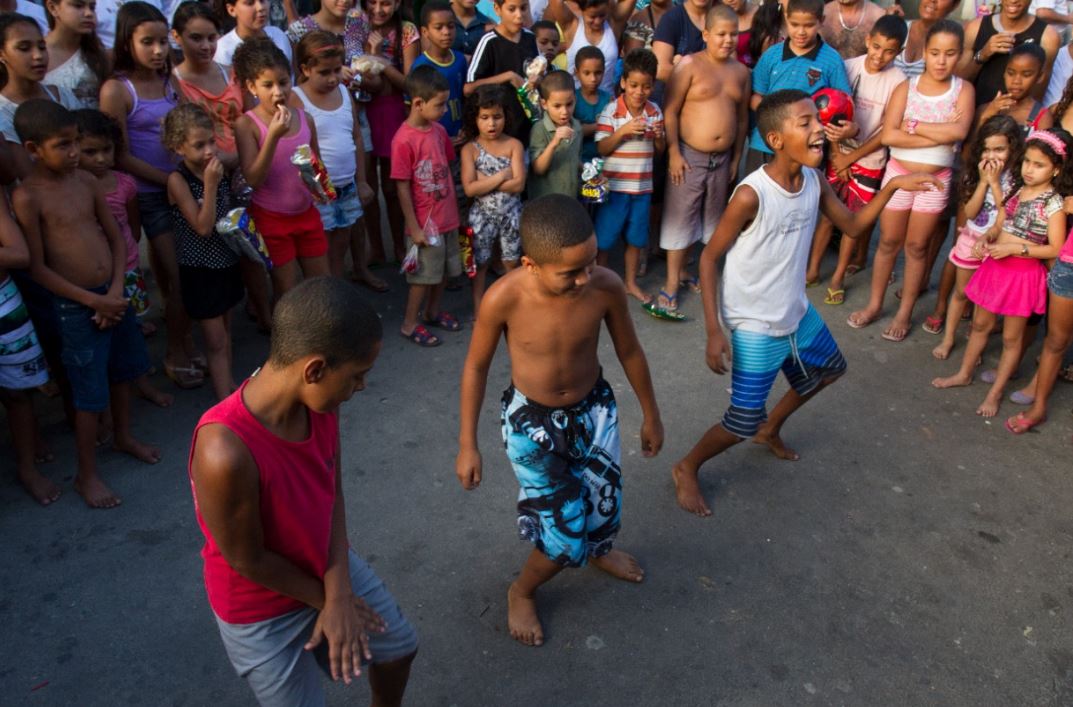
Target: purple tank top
point(282, 190)
point(144, 125)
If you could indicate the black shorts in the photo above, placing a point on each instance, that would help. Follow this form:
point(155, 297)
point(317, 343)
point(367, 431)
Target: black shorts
point(209, 292)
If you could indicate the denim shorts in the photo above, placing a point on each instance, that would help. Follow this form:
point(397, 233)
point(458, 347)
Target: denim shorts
point(155, 213)
point(96, 358)
point(1060, 281)
point(345, 211)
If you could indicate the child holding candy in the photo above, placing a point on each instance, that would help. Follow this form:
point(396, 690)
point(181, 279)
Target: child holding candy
point(208, 268)
point(268, 136)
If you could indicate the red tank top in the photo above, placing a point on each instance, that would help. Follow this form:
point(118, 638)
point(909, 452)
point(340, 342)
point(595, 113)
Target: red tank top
point(297, 488)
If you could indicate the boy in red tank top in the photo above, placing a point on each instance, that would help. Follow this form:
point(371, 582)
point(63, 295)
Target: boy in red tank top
point(287, 590)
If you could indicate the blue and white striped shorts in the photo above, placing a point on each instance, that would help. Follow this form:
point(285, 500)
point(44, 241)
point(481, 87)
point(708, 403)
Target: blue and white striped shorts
point(807, 357)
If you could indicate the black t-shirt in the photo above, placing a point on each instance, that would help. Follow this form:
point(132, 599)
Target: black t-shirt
point(496, 54)
point(990, 79)
point(675, 28)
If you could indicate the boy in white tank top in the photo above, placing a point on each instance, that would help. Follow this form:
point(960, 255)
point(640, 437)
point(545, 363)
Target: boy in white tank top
point(765, 234)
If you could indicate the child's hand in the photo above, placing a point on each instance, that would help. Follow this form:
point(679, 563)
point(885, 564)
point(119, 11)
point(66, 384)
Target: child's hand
point(840, 163)
point(657, 130)
point(677, 168)
point(1002, 103)
point(468, 468)
point(346, 75)
point(345, 624)
point(635, 127)
point(516, 79)
point(214, 172)
point(717, 353)
point(564, 133)
point(376, 43)
point(917, 182)
point(108, 309)
point(418, 237)
point(365, 193)
point(998, 251)
point(281, 122)
point(651, 437)
point(844, 130)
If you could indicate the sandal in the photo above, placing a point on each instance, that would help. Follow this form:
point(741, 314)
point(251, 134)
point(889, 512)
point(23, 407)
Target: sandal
point(669, 312)
point(853, 269)
point(834, 296)
point(1019, 398)
point(445, 321)
point(1019, 424)
point(933, 325)
point(1066, 373)
point(184, 377)
point(693, 283)
point(422, 337)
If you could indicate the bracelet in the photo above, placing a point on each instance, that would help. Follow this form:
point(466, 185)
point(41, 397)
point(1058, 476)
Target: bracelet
point(911, 126)
point(978, 59)
point(1024, 249)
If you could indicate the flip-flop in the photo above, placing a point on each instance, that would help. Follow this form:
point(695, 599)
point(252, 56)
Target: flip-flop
point(184, 377)
point(670, 313)
point(835, 296)
point(693, 283)
point(894, 337)
point(1018, 425)
point(853, 269)
point(933, 325)
point(858, 325)
point(988, 376)
point(445, 321)
point(422, 337)
point(809, 284)
point(1019, 398)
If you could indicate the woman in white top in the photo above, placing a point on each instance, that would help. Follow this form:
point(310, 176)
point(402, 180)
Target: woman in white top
point(76, 58)
point(251, 20)
point(599, 23)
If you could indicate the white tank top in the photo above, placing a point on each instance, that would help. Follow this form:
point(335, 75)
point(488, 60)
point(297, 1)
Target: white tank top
point(607, 45)
point(763, 285)
point(930, 109)
point(335, 137)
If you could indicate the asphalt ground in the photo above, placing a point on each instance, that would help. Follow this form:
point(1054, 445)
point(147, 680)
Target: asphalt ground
point(917, 554)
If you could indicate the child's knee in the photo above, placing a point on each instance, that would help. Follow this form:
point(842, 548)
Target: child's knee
point(916, 249)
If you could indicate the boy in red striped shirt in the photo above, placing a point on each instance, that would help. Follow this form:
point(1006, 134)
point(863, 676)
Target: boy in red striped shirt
point(628, 133)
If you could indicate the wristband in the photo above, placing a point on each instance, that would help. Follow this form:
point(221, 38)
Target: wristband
point(1024, 249)
point(911, 126)
point(978, 59)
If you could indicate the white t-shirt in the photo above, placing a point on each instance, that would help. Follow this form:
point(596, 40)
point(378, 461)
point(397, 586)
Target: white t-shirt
point(871, 92)
point(226, 46)
point(8, 107)
point(32, 9)
point(1060, 74)
point(106, 14)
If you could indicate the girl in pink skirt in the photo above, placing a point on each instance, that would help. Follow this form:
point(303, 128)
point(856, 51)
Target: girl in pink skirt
point(1012, 279)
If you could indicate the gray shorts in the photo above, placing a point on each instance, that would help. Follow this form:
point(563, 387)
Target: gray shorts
point(271, 656)
point(692, 209)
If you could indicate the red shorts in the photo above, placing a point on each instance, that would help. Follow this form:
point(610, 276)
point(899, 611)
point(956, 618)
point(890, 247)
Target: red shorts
point(860, 189)
point(288, 236)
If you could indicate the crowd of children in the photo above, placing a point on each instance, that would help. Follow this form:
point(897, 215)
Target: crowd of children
point(438, 125)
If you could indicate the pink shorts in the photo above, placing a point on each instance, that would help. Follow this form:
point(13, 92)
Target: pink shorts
point(961, 254)
point(925, 202)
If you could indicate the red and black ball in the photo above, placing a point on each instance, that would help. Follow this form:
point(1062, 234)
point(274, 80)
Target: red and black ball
point(834, 106)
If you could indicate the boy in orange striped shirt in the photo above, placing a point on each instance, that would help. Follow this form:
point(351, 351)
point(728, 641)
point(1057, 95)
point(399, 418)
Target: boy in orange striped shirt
point(628, 133)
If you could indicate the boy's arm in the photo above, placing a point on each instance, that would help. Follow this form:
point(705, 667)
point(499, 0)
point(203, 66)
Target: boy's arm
point(673, 100)
point(491, 321)
point(543, 154)
point(480, 73)
point(853, 225)
point(607, 141)
point(632, 357)
point(841, 162)
point(743, 125)
point(409, 215)
point(14, 253)
point(740, 211)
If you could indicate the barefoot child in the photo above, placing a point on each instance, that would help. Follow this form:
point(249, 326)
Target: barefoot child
point(765, 236)
point(1011, 282)
point(629, 133)
point(63, 212)
point(996, 152)
point(22, 362)
point(589, 99)
point(706, 108)
point(268, 493)
point(555, 141)
point(559, 416)
point(493, 175)
point(98, 136)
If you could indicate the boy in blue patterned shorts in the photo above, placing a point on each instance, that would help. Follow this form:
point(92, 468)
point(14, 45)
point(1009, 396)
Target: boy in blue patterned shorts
point(765, 235)
point(559, 418)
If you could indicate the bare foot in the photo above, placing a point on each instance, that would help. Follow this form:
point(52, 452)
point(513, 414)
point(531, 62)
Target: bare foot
point(42, 454)
point(522, 619)
point(942, 351)
point(156, 397)
point(620, 564)
point(687, 488)
point(862, 318)
point(637, 293)
point(897, 331)
point(138, 450)
point(96, 494)
point(955, 381)
point(777, 446)
point(989, 407)
point(40, 487)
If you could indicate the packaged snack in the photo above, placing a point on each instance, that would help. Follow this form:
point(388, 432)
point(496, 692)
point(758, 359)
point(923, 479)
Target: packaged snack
point(528, 94)
point(593, 183)
point(365, 64)
point(314, 175)
point(410, 263)
point(241, 235)
point(465, 250)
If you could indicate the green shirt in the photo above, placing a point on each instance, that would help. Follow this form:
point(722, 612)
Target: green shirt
point(562, 176)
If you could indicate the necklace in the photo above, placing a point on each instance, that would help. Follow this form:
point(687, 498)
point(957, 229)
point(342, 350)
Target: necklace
point(860, 18)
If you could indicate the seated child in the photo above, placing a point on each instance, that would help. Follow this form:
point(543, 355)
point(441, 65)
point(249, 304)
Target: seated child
point(559, 417)
point(555, 141)
point(765, 236)
point(63, 212)
point(628, 134)
point(287, 590)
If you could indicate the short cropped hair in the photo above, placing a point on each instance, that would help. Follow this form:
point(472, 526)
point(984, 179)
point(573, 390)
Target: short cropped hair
point(545, 25)
point(719, 11)
point(891, 27)
point(94, 123)
point(425, 82)
point(39, 119)
point(431, 7)
point(810, 7)
point(642, 60)
point(552, 223)
point(257, 55)
point(589, 53)
point(773, 109)
point(556, 81)
point(323, 316)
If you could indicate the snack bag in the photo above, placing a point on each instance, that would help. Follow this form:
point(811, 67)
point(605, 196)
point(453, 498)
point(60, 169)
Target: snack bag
point(410, 264)
point(465, 250)
point(528, 94)
point(314, 175)
point(241, 235)
point(593, 183)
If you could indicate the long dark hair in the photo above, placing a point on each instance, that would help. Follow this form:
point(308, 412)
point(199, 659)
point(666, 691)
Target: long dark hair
point(1064, 102)
point(132, 15)
point(190, 10)
point(767, 24)
point(90, 45)
point(1063, 183)
point(7, 21)
point(995, 125)
point(396, 22)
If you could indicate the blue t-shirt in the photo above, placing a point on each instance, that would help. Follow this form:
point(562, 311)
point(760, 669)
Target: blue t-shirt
point(587, 113)
point(779, 68)
point(455, 72)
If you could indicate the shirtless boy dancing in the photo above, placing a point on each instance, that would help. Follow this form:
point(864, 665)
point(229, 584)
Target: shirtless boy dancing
point(78, 254)
point(707, 113)
point(559, 418)
point(765, 235)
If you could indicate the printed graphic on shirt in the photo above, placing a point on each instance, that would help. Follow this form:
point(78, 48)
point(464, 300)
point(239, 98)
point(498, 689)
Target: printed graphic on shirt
point(432, 179)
